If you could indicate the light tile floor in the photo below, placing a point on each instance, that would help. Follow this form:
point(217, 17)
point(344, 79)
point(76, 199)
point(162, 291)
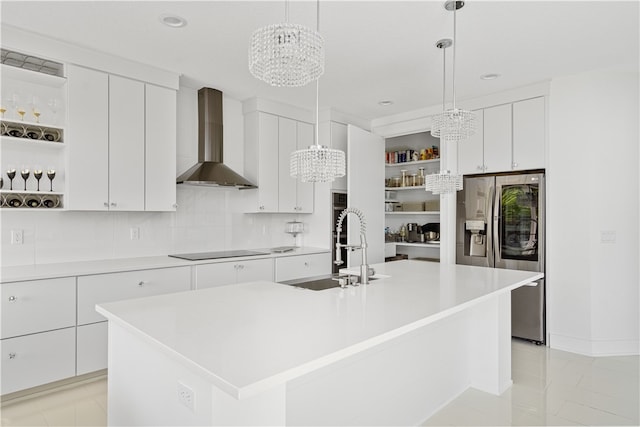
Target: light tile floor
point(551, 387)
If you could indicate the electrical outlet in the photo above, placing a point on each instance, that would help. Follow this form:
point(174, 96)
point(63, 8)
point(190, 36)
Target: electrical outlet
point(186, 396)
point(134, 232)
point(17, 237)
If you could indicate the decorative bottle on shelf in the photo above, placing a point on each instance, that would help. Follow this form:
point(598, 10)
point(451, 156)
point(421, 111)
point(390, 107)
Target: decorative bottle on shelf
point(420, 176)
point(403, 182)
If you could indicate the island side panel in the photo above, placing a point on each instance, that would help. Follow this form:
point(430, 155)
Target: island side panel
point(490, 355)
point(408, 379)
point(144, 389)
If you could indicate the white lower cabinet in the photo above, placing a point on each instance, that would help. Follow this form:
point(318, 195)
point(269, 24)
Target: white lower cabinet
point(228, 273)
point(92, 347)
point(37, 306)
point(37, 359)
point(110, 287)
point(301, 266)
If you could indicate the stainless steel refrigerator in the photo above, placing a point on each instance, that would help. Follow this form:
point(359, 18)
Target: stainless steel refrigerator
point(500, 223)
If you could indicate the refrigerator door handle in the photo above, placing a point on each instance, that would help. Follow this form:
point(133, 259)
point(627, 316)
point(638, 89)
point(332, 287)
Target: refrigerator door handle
point(496, 225)
point(490, 227)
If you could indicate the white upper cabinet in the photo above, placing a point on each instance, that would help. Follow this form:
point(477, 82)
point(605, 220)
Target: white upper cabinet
point(287, 135)
point(497, 138)
point(261, 158)
point(471, 151)
point(508, 137)
point(529, 134)
point(272, 139)
point(304, 190)
point(126, 144)
point(160, 149)
point(122, 136)
point(339, 142)
point(88, 136)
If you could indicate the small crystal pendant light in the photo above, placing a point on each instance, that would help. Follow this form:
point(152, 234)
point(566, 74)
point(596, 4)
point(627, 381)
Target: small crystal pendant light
point(317, 163)
point(286, 54)
point(443, 182)
point(454, 124)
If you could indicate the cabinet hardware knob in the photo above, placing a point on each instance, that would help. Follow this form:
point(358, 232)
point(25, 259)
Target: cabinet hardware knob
point(141, 283)
point(515, 165)
point(261, 208)
point(479, 167)
point(13, 298)
point(12, 355)
point(106, 205)
point(175, 205)
point(114, 204)
point(306, 264)
point(241, 266)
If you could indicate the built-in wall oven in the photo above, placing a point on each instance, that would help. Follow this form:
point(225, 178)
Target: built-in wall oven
point(338, 204)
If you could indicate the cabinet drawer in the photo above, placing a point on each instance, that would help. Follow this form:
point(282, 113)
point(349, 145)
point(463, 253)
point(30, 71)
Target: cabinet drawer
point(300, 266)
point(37, 359)
point(227, 273)
point(103, 288)
point(92, 347)
point(37, 306)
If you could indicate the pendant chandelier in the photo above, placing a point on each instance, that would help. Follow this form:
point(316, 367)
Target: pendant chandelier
point(443, 182)
point(317, 163)
point(454, 124)
point(286, 54)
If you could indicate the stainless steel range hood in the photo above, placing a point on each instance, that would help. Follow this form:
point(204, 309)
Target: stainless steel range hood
point(210, 170)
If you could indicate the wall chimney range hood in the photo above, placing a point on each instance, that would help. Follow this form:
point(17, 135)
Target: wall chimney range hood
point(210, 171)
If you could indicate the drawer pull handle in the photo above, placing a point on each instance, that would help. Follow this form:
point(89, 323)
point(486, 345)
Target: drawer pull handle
point(141, 283)
point(12, 355)
point(13, 298)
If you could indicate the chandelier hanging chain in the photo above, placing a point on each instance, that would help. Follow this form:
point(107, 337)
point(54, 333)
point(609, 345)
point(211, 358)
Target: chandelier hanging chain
point(455, 42)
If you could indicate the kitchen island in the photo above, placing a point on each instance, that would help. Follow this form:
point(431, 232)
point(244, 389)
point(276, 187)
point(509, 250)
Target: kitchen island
point(389, 353)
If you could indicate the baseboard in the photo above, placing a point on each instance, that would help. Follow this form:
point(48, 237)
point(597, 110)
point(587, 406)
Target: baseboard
point(594, 348)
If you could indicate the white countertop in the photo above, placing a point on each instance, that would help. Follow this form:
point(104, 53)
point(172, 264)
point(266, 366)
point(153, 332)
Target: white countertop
point(250, 337)
point(83, 268)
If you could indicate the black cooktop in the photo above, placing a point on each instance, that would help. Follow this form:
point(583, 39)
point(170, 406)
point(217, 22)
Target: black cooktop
point(215, 255)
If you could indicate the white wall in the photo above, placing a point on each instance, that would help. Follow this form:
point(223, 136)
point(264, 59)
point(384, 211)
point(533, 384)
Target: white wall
point(592, 184)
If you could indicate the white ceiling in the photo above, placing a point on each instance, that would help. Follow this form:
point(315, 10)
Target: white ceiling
point(375, 50)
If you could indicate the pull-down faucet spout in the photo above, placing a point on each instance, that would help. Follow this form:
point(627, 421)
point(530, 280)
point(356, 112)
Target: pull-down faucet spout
point(364, 267)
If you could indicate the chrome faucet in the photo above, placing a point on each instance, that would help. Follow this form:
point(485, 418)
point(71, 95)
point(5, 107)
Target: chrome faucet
point(364, 267)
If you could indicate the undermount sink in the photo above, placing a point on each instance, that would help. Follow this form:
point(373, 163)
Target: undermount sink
point(318, 284)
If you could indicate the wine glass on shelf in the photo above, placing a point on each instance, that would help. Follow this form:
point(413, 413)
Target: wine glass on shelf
point(54, 106)
point(12, 102)
point(51, 173)
point(11, 173)
point(34, 108)
point(25, 173)
point(37, 174)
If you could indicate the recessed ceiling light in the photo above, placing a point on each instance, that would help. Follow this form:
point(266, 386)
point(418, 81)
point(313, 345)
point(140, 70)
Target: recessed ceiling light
point(173, 21)
point(385, 103)
point(490, 76)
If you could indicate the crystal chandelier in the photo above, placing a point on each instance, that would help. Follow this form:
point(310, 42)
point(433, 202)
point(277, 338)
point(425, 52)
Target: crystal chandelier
point(443, 182)
point(454, 124)
point(317, 163)
point(286, 54)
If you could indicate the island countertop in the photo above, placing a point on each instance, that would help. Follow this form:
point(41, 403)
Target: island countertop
point(250, 337)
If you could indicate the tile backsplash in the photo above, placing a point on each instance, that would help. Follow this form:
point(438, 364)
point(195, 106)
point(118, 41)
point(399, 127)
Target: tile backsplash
point(207, 219)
